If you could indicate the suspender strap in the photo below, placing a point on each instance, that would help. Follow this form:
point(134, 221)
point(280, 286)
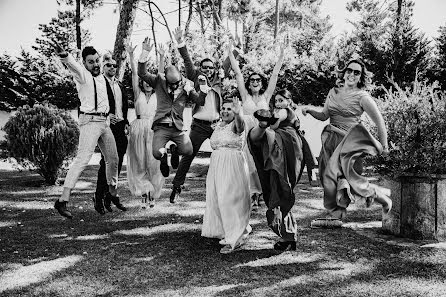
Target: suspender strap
point(95, 96)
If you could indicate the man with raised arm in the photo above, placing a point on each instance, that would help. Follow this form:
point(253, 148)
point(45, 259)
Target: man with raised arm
point(172, 91)
point(94, 124)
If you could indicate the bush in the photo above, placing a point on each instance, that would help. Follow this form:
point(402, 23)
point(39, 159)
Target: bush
point(41, 137)
point(416, 123)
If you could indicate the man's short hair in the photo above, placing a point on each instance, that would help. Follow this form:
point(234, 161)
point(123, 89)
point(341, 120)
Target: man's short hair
point(88, 50)
point(107, 57)
point(206, 60)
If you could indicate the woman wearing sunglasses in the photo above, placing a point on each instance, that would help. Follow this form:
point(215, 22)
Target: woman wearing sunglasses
point(255, 94)
point(345, 141)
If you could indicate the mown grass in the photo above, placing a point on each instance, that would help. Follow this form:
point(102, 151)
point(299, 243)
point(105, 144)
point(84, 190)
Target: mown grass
point(160, 252)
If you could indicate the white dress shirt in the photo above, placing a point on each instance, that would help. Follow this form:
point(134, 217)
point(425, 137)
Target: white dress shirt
point(85, 86)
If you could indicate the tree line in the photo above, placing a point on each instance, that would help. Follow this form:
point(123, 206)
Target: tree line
point(383, 35)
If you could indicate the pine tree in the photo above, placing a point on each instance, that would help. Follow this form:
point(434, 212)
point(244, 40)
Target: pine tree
point(61, 29)
point(440, 69)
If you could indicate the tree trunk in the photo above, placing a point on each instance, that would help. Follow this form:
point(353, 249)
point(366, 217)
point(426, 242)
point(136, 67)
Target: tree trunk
point(123, 33)
point(78, 26)
point(189, 17)
point(276, 25)
point(179, 13)
point(153, 31)
point(200, 13)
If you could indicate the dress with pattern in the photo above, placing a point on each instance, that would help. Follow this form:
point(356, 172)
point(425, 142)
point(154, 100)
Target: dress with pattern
point(228, 205)
point(143, 172)
point(248, 108)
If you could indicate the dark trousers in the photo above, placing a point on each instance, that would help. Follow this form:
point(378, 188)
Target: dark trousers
point(199, 132)
point(162, 135)
point(121, 144)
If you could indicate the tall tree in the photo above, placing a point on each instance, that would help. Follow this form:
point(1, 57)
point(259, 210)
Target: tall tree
point(123, 34)
point(61, 29)
point(441, 57)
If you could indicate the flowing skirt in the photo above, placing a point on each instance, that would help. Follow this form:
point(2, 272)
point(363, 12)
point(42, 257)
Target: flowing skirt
point(278, 158)
point(143, 173)
point(228, 205)
point(341, 167)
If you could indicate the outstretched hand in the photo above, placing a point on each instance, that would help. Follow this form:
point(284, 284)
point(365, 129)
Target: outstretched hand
point(161, 50)
point(178, 34)
point(130, 49)
point(230, 46)
point(147, 45)
point(60, 51)
point(236, 105)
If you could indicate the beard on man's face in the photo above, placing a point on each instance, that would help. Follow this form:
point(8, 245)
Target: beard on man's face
point(95, 70)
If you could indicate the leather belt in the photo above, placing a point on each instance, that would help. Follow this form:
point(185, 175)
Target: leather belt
point(205, 122)
point(101, 114)
point(165, 124)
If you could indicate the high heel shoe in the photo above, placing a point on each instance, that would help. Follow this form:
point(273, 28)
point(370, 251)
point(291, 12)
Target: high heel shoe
point(151, 201)
point(285, 246)
point(144, 201)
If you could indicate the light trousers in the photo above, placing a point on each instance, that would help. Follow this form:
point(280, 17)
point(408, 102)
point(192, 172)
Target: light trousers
point(94, 130)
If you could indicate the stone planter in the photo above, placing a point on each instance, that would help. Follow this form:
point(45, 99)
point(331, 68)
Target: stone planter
point(419, 207)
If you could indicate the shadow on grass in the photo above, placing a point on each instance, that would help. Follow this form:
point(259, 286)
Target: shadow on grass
point(160, 251)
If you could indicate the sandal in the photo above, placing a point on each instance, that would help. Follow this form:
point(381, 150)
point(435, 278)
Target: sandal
point(328, 223)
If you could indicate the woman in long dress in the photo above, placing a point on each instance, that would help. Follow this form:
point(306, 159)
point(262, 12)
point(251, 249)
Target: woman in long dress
point(277, 153)
point(143, 174)
point(345, 141)
point(254, 97)
point(228, 205)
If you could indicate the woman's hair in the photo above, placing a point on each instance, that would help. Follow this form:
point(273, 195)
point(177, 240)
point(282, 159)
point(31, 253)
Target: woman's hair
point(227, 98)
point(365, 79)
point(282, 92)
point(263, 81)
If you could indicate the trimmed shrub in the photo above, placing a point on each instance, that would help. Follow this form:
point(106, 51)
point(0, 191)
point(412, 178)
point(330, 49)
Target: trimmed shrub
point(416, 125)
point(42, 138)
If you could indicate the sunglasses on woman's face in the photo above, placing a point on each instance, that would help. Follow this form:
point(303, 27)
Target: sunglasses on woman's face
point(255, 79)
point(207, 67)
point(355, 72)
point(111, 65)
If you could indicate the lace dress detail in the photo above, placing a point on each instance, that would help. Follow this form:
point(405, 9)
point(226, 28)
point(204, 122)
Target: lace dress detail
point(224, 138)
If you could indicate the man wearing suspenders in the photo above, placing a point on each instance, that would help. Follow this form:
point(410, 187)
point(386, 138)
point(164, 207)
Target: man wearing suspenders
point(94, 123)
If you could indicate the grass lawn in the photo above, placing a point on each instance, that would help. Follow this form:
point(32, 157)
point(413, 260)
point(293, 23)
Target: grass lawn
point(159, 251)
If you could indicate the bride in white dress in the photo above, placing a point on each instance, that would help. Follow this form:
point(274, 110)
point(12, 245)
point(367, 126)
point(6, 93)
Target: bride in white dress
point(228, 207)
point(143, 174)
point(254, 97)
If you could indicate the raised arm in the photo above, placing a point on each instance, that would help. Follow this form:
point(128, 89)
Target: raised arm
point(161, 51)
point(274, 76)
point(135, 81)
point(238, 72)
point(142, 67)
point(370, 107)
point(191, 71)
point(68, 60)
point(239, 123)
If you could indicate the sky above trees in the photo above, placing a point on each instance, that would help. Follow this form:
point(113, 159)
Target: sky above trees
point(19, 21)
